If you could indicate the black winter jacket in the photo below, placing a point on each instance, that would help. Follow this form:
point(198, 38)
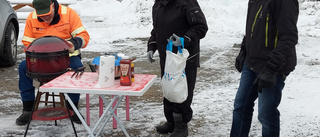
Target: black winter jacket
point(185, 19)
point(271, 35)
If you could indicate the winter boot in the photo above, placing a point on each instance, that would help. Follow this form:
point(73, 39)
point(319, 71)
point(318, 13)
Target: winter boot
point(165, 128)
point(180, 129)
point(24, 118)
point(74, 117)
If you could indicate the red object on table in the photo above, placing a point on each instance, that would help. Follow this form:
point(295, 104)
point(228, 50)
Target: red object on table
point(125, 69)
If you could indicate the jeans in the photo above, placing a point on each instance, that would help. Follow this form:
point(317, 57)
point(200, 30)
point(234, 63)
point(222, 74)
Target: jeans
point(26, 84)
point(268, 102)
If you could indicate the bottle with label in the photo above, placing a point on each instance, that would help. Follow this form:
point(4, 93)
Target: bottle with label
point(125, 68)
point(132, 72)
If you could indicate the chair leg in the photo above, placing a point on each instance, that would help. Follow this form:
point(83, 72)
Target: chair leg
point(37, 100)
point(62, 100)
point(54, 105)
point(33, 109)
point(46, 98)
point(74, 129)
point(36, 104)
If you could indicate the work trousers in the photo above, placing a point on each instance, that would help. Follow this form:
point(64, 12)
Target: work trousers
point(27, 90)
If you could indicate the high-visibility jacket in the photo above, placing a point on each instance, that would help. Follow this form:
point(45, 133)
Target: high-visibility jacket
point(69, 26)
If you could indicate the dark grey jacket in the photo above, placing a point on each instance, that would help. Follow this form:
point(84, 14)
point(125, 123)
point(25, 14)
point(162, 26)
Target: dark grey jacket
point(182, 17)
point(271, 35)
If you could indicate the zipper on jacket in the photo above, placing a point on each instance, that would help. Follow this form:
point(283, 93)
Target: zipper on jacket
point(255, 20)
point(276, 39)
point(267, 26)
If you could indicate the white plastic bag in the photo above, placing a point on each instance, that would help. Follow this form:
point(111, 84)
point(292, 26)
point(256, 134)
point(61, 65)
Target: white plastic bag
point(174, 81)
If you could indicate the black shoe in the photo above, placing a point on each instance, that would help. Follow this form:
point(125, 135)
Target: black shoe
point(180, 130)
point(165, 128)
point(76, 119)
point(23, 119)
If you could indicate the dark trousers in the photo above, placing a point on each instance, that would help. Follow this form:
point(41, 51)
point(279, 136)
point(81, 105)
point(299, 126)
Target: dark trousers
point(183, 108)
point(268, 102)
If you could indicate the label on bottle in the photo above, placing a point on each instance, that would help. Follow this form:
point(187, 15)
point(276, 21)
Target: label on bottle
point(125, 79)
point(132, 72)
point(124, 69)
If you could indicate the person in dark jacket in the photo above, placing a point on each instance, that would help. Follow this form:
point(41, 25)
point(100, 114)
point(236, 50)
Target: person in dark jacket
point(266, 58)
point(175, 19)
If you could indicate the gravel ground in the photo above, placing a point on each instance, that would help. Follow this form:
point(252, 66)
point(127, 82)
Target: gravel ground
point(216, 76)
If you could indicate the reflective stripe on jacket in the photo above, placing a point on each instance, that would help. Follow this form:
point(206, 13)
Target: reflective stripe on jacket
point(68, 26)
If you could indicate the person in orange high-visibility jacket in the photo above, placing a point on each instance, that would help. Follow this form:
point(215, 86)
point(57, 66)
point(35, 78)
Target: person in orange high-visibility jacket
point(54, 19)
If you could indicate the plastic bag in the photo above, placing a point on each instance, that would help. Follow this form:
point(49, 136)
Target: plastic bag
point(174, 81)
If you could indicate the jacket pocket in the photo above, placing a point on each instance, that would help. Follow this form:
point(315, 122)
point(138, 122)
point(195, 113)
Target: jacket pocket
point(37, 30)
point(63, 28)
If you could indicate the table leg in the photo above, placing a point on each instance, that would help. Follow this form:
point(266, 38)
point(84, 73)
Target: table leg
point(100, 106)
point(127, 108)
point(107, 109)
point(88, 109)
point(74, 129)
point(120, 98)
point(105, 113)
point(114, 121)
point(76, 111)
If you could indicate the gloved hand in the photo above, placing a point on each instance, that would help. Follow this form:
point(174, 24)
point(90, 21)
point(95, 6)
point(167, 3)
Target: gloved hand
point(266, 79)
point(71, 47)
point(150, 56)
point(240, 60)
point(175, 40)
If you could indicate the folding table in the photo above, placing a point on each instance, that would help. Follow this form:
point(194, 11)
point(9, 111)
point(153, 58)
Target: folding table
point(86, 85)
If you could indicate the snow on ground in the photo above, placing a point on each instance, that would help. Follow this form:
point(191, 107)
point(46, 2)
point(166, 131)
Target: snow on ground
point(112, 25)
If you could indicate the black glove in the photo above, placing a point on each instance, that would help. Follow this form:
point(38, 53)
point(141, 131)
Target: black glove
point(240, 60)
point(266, 79)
